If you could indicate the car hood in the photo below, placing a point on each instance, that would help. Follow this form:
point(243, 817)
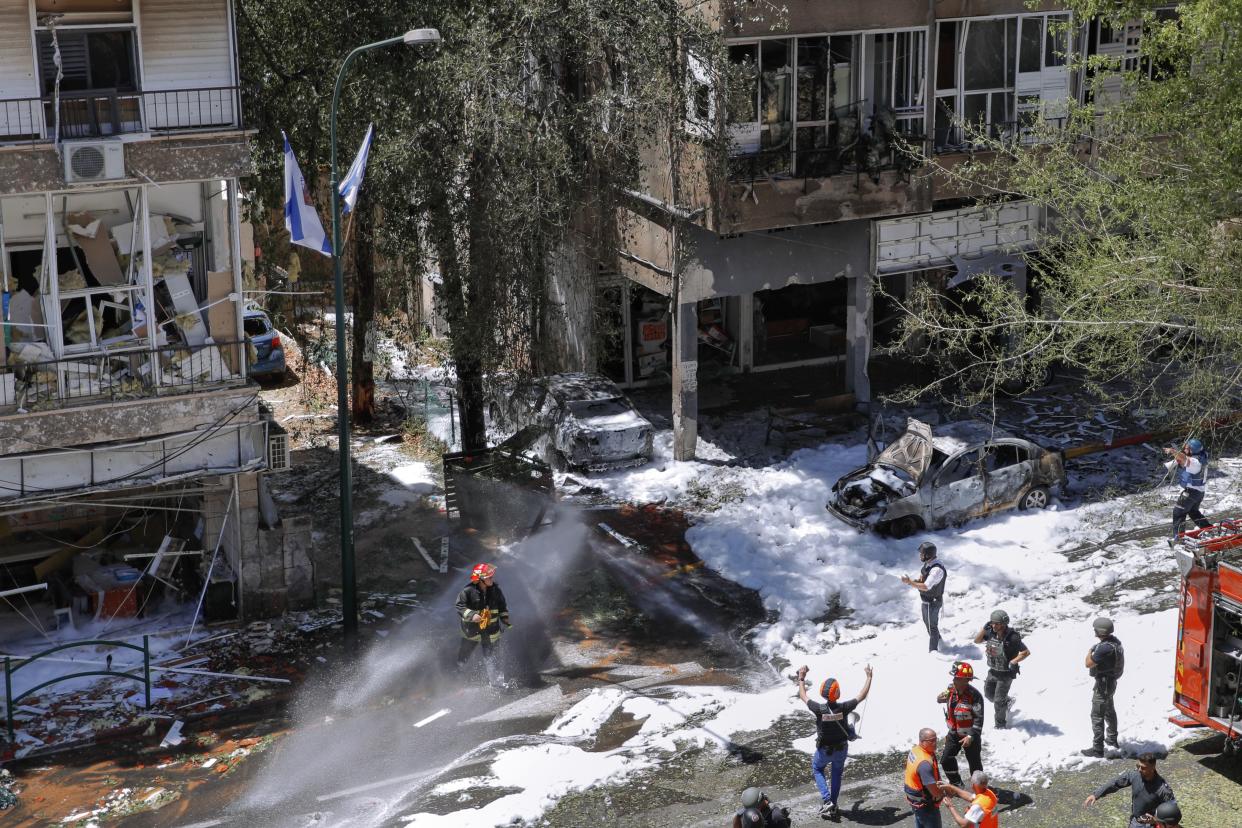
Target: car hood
point(911, 452)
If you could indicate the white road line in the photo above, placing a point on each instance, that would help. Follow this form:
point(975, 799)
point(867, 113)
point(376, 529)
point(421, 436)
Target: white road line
point(438, 714)
point(208, 824)
point(383, 783)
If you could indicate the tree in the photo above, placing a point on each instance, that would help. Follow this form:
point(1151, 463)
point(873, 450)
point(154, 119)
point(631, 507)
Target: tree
point(1137, 279)
point(493, 152)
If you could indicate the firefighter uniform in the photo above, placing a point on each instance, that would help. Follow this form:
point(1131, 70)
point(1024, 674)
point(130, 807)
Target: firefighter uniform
point(964, 717)
point(921, 772)
point(1109, 658)
point(480, 611)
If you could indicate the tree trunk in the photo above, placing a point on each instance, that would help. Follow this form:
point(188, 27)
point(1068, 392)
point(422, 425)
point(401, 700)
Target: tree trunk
point(363, 400)
point(470, 404)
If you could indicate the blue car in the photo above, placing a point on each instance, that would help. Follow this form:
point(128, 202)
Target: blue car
point(269, 355)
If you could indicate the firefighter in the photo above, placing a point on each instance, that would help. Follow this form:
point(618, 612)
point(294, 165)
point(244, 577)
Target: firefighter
point(1005, 650)
point(923, 788)
point(982, 811)
point(758, 812)
point(963, 714)
point(833, 734)
point(1106, 660)
point(930, 585)
point(1169, 815)
point(481, 609)
point(1148, 791)
point(1191, 464)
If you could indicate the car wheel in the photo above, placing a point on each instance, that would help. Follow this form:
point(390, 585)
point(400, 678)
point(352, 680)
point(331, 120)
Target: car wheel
point(904, 527)
point(1036, 498)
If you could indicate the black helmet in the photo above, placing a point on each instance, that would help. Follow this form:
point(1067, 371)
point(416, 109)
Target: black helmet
point(1168, 812)
point(927, 550)
point(751, 797)
point(1103, 626)
point(1000, 617)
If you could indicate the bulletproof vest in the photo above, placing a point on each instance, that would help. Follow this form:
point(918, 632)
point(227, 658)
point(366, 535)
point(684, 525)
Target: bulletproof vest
point(994, 647)
point(937, 592)
point(1116, 665)
point(1185, 479)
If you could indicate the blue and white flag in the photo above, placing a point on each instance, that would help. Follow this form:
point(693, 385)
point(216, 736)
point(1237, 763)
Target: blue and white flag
point(353, 179)
point(301, 217)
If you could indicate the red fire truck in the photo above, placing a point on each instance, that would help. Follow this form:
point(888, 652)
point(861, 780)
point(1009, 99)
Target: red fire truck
point(1206, 685)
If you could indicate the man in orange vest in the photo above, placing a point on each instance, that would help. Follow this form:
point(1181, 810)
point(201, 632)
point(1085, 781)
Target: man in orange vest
point(982, 811)
point(923, 787)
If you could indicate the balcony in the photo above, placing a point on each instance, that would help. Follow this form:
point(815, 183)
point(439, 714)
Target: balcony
point(132, 372)
point(101, 113)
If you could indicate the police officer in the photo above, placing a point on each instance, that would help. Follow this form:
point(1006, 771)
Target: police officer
point(1106, 660)
point(758, 812)
point(1005, 650)
point(1148, 791)
point(930, 585)
point(963, 713)
point(1191, 464)
point(481, 609)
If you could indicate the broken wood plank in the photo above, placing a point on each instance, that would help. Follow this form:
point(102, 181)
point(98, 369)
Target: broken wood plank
point(426, 556)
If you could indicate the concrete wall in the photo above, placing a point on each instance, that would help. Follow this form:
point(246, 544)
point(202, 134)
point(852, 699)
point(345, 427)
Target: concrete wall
point(717, 266)
point(122, 420)
point(34, 169)
point(566, 344)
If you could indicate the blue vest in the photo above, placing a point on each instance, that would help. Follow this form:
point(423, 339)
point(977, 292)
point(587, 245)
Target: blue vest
point(1185, 479)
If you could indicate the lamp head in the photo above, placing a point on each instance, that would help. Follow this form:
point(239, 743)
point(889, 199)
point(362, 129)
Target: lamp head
point(417, 37)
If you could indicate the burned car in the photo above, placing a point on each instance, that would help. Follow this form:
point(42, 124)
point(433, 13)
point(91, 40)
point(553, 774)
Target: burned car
point(589, 424)
point(931, 478)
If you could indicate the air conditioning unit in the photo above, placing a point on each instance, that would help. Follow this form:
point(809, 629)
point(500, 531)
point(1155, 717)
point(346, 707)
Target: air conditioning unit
point(278, 458)
point(88, 161)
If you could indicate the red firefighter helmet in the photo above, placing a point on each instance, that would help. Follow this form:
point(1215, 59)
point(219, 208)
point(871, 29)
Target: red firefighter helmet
point(830, 689)
point(481, 571)
point(962, 669)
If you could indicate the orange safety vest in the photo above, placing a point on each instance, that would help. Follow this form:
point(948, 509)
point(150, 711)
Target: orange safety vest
point(987, 803)
point(917, 795)
point(959, 712)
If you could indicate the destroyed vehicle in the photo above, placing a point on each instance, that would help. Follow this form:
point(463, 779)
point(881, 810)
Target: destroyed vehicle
point(929, 479)
point(268, 356)
point(588, 423)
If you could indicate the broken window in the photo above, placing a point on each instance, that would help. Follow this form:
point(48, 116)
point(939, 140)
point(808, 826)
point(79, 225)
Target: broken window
point(811, 102)
point(89, 60)
point(997, 77)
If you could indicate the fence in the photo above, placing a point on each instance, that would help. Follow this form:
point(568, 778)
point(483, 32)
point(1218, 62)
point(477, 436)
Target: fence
point(9, 670)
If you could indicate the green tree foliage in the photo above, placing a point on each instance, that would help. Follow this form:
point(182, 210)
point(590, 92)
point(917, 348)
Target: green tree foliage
point(1138, 281)
point(493, 151)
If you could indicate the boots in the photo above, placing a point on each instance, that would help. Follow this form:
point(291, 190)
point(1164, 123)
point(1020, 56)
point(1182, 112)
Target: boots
point(1097, 752)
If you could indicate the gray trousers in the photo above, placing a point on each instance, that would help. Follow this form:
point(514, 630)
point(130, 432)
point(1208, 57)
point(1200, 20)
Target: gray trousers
point(931, 620)
point(1104, 713)
point(996, 690)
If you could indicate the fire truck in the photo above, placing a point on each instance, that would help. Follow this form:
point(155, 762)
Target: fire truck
point(1206, 685)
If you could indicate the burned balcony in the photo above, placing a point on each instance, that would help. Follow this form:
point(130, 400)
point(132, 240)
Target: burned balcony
point(102, 113)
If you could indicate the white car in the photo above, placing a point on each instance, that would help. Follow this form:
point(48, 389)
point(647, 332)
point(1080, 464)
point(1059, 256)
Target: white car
point(588, 423)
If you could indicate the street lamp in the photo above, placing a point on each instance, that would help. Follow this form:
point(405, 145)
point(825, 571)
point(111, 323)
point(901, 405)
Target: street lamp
point(349, 598)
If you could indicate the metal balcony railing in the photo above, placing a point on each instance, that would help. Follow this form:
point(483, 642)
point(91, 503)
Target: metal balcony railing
point(841, 147)
point(122, 374)
point(99, 113)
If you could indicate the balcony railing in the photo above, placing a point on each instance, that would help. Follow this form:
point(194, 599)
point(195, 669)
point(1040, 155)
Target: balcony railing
point(123, 374)
point(100, 113)
point(839, 147)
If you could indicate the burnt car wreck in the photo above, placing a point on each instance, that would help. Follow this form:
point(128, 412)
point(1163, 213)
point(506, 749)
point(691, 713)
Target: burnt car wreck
point(931, 478)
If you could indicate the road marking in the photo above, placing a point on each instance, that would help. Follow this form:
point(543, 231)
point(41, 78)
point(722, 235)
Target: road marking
point(432, 717)
point(206, 824)
point(361, 788)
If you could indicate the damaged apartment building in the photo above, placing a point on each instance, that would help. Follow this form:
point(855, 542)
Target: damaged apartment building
point(133, 447)
point(777, 267)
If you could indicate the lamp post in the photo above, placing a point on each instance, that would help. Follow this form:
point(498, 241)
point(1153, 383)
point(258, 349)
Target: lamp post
point(349, 598)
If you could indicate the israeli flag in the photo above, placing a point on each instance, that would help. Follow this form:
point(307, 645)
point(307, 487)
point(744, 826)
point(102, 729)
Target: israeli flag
point(353, 179)
point(301, 218)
